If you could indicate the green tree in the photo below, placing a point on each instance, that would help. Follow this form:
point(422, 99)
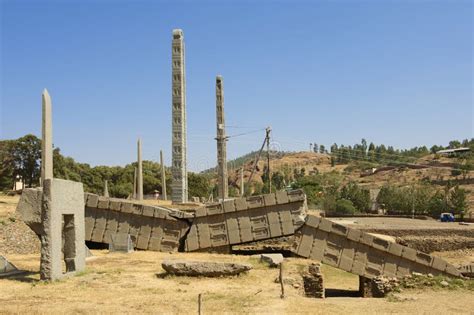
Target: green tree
point(437, 204)
point(26, 154)
point(359, 197)
point(458, 201)
point(198, 185)
point(344, 206)
point(322, 149)
point(7, 168)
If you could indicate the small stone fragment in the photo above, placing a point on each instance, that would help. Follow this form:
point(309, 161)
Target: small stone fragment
point(274, 260)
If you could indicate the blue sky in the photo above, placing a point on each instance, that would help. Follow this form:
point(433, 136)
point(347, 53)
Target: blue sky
point(393, 72)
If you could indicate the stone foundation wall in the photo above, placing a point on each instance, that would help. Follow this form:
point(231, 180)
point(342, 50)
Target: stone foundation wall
point(313, 282)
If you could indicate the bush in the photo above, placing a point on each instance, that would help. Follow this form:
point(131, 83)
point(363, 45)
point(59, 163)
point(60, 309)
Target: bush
point(344, 206)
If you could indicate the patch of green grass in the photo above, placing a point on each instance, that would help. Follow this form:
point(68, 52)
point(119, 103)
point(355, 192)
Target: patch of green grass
point(436, 282)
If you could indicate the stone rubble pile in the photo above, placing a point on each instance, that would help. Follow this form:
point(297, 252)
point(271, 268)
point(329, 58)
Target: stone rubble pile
point(377, 287)
point(313, 281)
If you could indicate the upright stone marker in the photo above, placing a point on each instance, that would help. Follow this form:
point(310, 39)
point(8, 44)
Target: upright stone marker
point(221, 141)
point(47, 139)
point(163, 177)
point(179, 181)
point(139, 171)
point(242, 189)
point(106, 189)
point(134, 195)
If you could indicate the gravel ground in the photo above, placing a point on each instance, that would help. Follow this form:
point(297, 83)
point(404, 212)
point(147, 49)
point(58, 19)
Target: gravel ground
point(17, 238)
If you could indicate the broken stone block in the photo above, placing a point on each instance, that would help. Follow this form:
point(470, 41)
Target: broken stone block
point(274, 260)
point(121, 243)
point(313, 282)
point(203, 268)
point(7, 268)
point(467, 270)
point(29, 208)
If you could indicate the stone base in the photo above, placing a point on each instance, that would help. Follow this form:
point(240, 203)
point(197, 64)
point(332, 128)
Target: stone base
point(378, 287)
point(313, 282)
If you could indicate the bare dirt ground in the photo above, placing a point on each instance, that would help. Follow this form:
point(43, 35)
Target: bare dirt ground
point(117, 283)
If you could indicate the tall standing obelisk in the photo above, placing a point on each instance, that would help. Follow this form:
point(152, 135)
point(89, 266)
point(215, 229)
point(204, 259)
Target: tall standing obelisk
point(164, 195)
point(221, 138)
point(46, 139)
point(139, 171)
point(179, 182)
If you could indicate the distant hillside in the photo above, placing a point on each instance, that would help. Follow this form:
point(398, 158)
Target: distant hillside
point(430, 168)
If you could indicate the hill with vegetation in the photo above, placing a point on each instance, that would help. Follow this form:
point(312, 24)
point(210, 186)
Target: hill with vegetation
point(347, 179)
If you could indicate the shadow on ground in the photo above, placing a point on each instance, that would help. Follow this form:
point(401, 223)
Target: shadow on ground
point(341, 293)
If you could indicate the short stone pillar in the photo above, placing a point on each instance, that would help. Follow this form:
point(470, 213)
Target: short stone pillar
point(313, 282)
point(377, 287)
point(63, 224)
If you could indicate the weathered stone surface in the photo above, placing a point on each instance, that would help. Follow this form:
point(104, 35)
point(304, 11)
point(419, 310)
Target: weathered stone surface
point(203, 268)
point(46, 139)
point(467, 270)
point(139, 171)
point(164, 195)
point(274, 260)
point(244, 220)
point(121, 243)
point(313, 281)
point(377, 287)
point(62, 217)
point(179, 168)
point(361, 253)
point(29, 208)
point(7, 268)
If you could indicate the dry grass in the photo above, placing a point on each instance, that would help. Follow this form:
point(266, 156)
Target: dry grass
point(117, 283)
point(8, 205)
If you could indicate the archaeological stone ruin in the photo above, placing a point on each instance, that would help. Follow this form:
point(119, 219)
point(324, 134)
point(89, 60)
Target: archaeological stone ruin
point(56, 211)
point(65, 217)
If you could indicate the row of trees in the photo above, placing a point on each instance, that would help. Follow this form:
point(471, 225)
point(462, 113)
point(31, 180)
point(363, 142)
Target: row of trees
point(21, 157)
point(423, 199)
point(387, 154)
point(328, 192)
